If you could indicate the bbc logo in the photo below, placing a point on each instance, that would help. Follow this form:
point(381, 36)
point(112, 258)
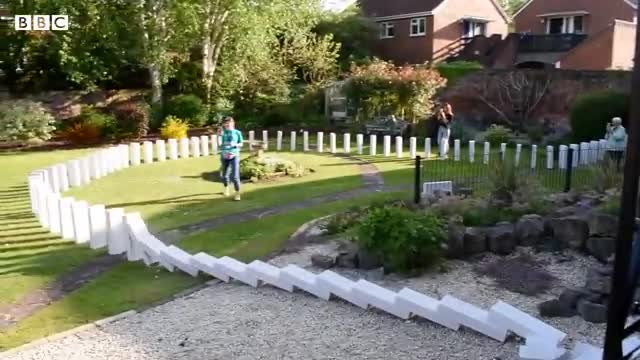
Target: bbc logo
point(41, 22)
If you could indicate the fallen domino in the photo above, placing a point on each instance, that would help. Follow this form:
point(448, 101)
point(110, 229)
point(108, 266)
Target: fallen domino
point(472, 317)
point(304, 280)
point(208, 265)
point(180, 259)
point(340, 286)
point(237, 270)
point(381, 298)
point(269, 274)
point(426, 307)
point(522, 324)
point(539, 348)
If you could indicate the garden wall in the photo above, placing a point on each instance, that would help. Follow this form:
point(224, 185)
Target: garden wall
point(554, 107)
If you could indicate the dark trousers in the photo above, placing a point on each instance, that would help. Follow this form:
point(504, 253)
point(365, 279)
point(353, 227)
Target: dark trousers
point(616, 156)
point(231, 172)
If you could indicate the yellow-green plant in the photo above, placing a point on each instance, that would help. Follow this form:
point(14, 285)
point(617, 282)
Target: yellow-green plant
point(174, 128)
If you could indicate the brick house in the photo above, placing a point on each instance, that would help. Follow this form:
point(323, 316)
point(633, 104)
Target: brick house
point(428, 31)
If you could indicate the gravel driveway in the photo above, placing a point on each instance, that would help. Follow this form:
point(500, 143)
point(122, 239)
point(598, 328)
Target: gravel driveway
point(233, 321)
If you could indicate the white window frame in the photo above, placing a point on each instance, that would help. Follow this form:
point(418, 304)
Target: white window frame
point(568, 24)
point(473, 24)
point(384, 30)
point(420, 22)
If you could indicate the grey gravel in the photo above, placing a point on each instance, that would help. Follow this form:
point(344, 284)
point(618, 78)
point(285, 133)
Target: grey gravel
point(233, 321)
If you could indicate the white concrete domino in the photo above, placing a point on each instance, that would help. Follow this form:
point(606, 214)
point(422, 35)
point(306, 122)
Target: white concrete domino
point(456, 150)
point(541, 351)
point(173, 149)
point(43, 207)
point(195, 147)
point(518, 154)
point(161, 151)
point(237, 270)
point(584, 153)
point(269, 274)
point(305, 141)
point(252, 138)
point(54, 179)
point(105, 163)
point(85, 170)
point(386, 147)
point(96, 166)
point(399, 147)
point(98, 226)
point(426, 307)
point(135, 153)
point(360, 143)
point(180, 259)
point(292, 145)
point(534, 156)
point(117, 235)
point(215, 142)
point(304, 280)
point(472, 151)
point(340, 286)
point(265, 140)
point(204, 145)
point(66, 218)
point(114, 157)
point(576, 154)
point(427, 148)
point(380, 298)
point(602, 149)
point(486, 153)
point(470, 316)
point(522, 324)
point(583, 351)
point(148, 152)
point(63, 177)
point(332, 143)
point(320, 140)
point(429, 188)
point(279, 140)
point(184, 148)
point(373, 145)
point(81, 227)
point(413, 145)
point(137, 231)
point(563, 156)
point(594, 147)
point(346, 143)
point(34, 181)
point(53, 210)
point(208, 265)
point(550, 157)
point(123, 156)
point(75, 177)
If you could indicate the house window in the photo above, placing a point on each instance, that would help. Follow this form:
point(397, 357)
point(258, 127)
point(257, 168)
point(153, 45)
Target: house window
point(565, 25)
point(474, 28)
point(387, 30)
point(418, 27)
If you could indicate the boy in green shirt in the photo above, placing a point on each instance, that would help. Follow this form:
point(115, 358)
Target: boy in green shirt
point(230, 156)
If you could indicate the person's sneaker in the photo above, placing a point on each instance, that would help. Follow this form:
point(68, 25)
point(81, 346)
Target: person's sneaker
point(237, 196)
point(226, 191)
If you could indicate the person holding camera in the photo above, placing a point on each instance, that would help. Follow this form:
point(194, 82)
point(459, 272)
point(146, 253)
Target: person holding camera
point(444, 119)
point(616, 137)
point(231, 142)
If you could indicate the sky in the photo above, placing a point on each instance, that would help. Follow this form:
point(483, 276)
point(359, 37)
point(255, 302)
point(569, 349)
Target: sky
point(337, 5)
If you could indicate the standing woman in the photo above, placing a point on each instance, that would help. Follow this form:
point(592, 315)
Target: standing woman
point(445, 118)
point(616, 140)
point(230, 156)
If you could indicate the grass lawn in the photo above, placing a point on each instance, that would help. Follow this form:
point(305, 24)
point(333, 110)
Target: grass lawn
point(29, 255)
point(175, 193)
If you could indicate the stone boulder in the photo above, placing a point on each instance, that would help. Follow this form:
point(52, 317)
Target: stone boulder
point(368, 261)
point(571, 297)
point(592, 312)
point(501, 239)
point(322, 261)
point(348, 256)
point(602, 225)
point(529, 230)
point(572, 231)
point(601, 247)
point(475, 241)
point(455, 239)
point(555, 308)
point(598, 283)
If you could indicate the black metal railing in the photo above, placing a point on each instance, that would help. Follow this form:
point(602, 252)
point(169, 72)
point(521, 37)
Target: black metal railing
point(549, 43)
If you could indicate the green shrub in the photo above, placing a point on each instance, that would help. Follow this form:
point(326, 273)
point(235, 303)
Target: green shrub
point(454, 71)
point(187, 107)
point(591, 112)
point(498, 134)
point(509, 187)
point(406, 240)
point(24, 120)
point(535, 134)
point(344, 221)
point(132, 120)
point(605, 176)
point(174, 128)
point(90, 127)
point(261, 167)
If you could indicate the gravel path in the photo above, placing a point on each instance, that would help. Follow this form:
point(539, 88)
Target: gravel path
point(232, 321)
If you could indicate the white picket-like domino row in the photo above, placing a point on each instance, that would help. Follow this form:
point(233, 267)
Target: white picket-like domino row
point(126, 233)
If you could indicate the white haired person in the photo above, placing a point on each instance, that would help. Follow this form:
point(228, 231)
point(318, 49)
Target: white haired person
point(616, 140)
point(230, 156)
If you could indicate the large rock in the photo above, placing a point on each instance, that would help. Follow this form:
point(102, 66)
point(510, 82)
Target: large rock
point(501, 240)
point(571, 297)
point(571, 231)
point(348, 256)
point(475, 241)
point(529, 230)
point(592, 312)
point(598, 283)
point(555, 308)
point(601, 247)
point(368, 261)
point(602, 225)
point(455, 239)
point(322, 261)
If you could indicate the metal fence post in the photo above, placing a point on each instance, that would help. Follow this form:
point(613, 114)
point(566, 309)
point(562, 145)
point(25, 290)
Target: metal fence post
point(417, 188)
point(567, 184)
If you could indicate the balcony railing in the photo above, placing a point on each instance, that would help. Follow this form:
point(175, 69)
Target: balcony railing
point(549, 43)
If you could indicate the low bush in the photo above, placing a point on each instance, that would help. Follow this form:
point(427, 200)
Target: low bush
point(406, 240)
point(342, 222)
point(188, 107)
point(498, 134)
point(82, 133)
point(132, 119)
point(591, 112)
point(174, 128)
point(509, 187)
point(90, 127)
point(605, 176)
point(25, 120)
point(261, 167)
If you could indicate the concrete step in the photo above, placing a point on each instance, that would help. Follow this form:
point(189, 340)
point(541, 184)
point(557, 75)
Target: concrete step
point(380, 298)
point(471, 316)
point(304, 280)
point(426, 307)
point(339, 286)
point(269, 274)
point(237, 270)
